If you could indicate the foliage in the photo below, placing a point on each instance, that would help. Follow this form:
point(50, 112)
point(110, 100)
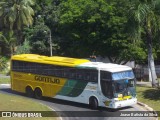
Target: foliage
point(3, 63)
point(38, 39)
point(81, 23)
point(17, 13)
point(24, 48)
point(9, 40)
point(145, 21)
point(99, 27)
point(83, 28)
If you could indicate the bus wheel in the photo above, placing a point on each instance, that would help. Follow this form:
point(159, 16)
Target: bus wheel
point(29, 91)
point(93, 102)
point(38, 93)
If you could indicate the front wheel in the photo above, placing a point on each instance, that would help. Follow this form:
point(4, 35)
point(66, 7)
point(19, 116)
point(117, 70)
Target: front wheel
point(93, 102)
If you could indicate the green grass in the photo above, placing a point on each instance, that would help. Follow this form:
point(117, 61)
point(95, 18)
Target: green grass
point(20, 103)
point(4, 80)
point(149, 96)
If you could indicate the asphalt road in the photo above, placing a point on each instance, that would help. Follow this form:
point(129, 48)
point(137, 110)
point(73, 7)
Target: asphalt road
point(61, 105)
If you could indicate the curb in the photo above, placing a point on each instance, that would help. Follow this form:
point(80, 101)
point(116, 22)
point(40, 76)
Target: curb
point(148, 108)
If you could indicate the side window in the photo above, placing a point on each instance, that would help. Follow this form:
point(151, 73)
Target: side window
point(20, 66)
point(80, 74)
point(94, 76)
point(45, 69)
point(14, 65)
point(106, 76)
point(65, 72)
point(58, 71)
point(72, 73)
point(39, 69)
point(33, 67)
point(50, 70)
point(87, 75)
point(27, 67)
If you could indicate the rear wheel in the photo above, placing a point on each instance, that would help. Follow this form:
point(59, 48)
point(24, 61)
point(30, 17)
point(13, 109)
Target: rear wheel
point(38, 93)
point(29, 91)
point(93, 102)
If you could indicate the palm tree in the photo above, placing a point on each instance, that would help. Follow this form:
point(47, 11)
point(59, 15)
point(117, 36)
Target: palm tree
point(10, 40)
point(17, 13)
point(144, 19)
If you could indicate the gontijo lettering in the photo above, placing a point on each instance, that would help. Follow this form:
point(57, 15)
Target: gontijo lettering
point(47, 79)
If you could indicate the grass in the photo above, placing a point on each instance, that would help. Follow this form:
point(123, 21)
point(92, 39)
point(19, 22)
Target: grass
point(149, 96)
point(20, 103)
point(4, 80)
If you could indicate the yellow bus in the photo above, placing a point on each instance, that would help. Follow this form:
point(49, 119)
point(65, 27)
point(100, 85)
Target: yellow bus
point(79, 80)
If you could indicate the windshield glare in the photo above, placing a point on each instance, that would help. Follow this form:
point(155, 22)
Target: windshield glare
point(124, 87)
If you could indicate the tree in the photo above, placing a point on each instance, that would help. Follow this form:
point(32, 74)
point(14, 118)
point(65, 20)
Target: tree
point(24, 48)
point(9, 39)
point(99, 27)
point(39, 39)
point(82, 25)
point(145, 21)
point(16, 14)
point(117, 44)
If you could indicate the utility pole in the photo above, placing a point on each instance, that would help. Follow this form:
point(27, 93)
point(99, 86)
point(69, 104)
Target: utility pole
point(50, 42)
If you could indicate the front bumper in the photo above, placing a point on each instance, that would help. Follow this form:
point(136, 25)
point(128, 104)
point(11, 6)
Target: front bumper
point(123, 103)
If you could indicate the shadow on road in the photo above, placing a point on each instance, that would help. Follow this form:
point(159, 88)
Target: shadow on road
point(64, 102)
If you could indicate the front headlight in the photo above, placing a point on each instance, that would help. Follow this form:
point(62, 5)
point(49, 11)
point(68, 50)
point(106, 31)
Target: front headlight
point(120, 95)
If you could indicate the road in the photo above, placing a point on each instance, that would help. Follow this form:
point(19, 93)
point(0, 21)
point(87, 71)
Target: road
point(61, 105)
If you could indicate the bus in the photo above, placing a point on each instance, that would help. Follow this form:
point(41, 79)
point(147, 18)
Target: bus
point(72, 79)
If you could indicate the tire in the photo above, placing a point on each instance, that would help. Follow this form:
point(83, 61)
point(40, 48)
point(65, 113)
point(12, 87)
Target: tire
point(93, 102)
point(29, 91)
point(38, 93)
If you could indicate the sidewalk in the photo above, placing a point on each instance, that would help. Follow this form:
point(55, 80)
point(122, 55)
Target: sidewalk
point(148, 84)
point(139, 83)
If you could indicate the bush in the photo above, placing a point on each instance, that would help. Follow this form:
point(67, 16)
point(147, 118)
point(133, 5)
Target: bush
point(3, 64)
point(24, 48)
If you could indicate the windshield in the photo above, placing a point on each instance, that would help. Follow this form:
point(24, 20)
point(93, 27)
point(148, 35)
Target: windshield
point(124, 87)
point(119, 84)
